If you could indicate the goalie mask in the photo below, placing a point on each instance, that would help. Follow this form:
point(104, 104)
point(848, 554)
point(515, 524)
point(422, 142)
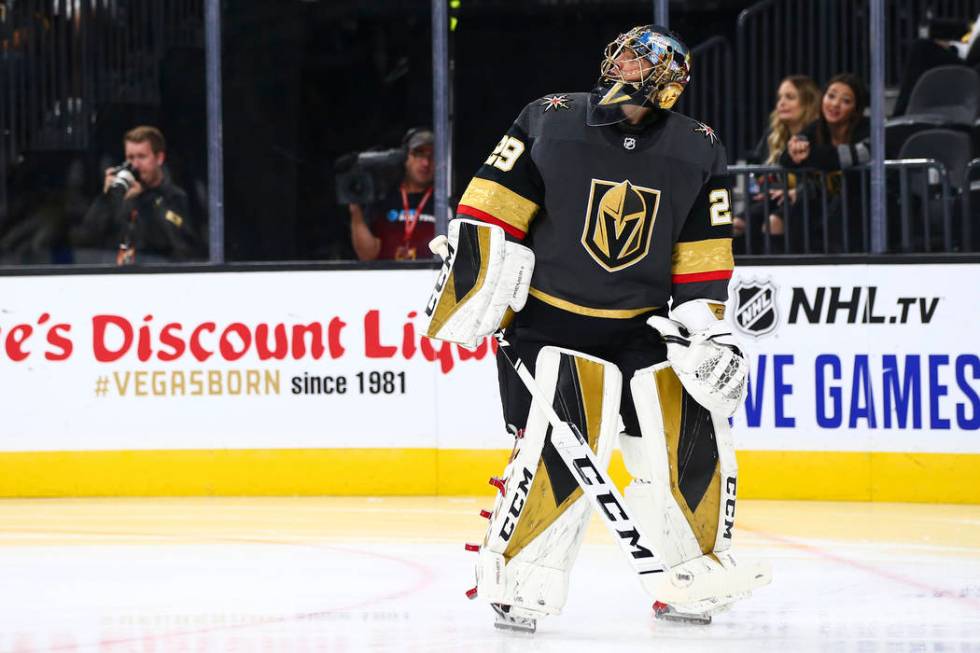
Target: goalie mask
point(646, 66)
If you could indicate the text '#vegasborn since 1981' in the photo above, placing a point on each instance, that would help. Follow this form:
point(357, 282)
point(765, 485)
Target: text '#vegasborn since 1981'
point(248, 382)
point(369, 383)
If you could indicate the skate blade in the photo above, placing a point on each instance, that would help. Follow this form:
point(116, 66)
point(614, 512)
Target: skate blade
point(681, 618)
point(517, 625)
point(665, 612)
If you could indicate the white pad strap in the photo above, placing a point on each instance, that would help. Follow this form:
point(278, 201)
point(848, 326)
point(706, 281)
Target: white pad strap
point(482, 276)
point(540, 517)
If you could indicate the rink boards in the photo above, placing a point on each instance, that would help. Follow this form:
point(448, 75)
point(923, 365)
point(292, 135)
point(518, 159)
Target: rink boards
point(865, 386)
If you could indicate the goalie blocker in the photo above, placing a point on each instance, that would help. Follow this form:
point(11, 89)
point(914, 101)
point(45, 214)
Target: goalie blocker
point(482, 276)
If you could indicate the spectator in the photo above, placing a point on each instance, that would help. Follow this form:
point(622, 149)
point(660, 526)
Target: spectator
point(945, 48)
point(797, 105)
point(397, 226)
point(836, 141)
point(141, 213)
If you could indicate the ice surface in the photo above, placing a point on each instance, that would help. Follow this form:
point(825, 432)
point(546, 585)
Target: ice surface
point(358, 574)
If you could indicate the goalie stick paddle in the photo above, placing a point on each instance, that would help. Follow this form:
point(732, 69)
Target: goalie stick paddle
point(575, 452)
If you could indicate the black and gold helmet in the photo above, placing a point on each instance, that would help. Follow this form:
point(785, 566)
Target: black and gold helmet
point(647, 66)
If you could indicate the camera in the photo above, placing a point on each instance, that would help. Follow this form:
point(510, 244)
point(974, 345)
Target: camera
point(125, 176)
point(367, 177)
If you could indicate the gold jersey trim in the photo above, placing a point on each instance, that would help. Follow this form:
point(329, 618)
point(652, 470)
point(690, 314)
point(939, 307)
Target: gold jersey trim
point(702, 256)
point(500, 202)
point(571, 307)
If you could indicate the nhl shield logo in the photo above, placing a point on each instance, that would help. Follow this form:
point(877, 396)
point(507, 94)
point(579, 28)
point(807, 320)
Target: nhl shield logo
point(619, 223)
point(755, 307)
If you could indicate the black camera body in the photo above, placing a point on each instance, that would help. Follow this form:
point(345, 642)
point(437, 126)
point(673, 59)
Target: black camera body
point(367, 177)
point(126, 175)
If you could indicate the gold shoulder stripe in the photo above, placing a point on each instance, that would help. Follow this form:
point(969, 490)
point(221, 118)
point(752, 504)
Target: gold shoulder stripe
point(702, 256)
point(571, 307)
point(500, 202)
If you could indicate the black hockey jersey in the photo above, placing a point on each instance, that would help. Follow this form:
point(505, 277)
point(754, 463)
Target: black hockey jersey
point(620, 218)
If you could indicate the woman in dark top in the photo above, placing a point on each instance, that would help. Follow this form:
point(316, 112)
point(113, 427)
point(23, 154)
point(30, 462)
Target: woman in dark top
point(833, 143)
point(797, 105)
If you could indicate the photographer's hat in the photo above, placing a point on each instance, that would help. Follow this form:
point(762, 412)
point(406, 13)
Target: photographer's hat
point(417, 138)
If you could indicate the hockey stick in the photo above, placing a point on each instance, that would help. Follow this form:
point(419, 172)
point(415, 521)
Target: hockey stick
point(578, 456)
point(674, 587)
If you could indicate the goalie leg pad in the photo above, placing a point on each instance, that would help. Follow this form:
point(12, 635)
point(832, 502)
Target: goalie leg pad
point(683, 467)
point(683, 493)
point(540, 517)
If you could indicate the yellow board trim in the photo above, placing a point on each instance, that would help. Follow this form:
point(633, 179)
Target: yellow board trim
point(571, 307)
point(500, 202)
point(702, 256)
point(816, 475)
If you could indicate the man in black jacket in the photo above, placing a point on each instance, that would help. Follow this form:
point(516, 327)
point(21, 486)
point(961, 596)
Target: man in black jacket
point(141, 213)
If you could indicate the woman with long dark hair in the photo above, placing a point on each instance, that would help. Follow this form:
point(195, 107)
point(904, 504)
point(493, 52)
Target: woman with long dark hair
point(835, 142)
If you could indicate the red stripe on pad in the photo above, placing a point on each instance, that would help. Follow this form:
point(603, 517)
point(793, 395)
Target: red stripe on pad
point(486, 217)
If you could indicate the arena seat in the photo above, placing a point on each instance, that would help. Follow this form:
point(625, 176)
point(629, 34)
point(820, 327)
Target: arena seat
point(947, 97)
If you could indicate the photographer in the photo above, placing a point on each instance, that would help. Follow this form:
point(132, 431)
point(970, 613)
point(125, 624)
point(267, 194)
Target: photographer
point(141, 214)
point(398, 226)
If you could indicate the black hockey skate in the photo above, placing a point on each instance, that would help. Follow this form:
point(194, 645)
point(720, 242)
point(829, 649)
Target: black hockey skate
point(665, 612)
point(506, 620)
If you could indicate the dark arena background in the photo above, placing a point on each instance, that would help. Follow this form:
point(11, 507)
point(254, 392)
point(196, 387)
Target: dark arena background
point(223, 426)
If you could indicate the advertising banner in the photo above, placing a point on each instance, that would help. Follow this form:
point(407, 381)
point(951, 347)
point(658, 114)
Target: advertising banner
point(844, 358)
point(860, 357)
point(236, 360)
point(867, 377)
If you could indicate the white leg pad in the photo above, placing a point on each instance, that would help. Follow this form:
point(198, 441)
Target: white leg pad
point(539, 520)
point(651, 503)
point(535, 582)
point(683, 495)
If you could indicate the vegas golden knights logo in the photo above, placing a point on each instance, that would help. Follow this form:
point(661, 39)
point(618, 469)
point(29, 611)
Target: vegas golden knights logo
point(619, 223)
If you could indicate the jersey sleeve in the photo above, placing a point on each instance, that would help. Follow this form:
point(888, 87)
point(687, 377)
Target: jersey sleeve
point(507, 190)
point(702, 261)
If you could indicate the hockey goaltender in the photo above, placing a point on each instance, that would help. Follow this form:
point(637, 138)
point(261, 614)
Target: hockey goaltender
point(595, 244)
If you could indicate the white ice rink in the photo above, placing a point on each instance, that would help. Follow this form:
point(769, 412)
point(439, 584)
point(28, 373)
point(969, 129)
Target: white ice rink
point(332, 574)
